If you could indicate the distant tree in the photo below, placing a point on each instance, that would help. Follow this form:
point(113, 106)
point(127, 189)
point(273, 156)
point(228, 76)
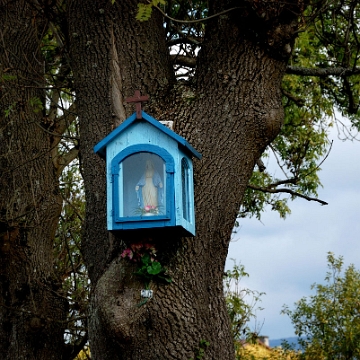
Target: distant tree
point(242, 304)
point(328, 323)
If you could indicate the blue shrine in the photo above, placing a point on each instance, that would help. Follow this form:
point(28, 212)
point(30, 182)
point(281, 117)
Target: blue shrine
point(149, 177)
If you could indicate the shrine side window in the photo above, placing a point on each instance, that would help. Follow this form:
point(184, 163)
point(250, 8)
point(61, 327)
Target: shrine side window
point(185, 174)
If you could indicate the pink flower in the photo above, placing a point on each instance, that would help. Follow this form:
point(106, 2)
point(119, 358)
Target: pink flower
point(147, 207)
point(127, 253)
point(150, 249)
point(136, 247)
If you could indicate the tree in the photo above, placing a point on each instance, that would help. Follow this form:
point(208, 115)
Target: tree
point(328, 323)
point(241, 303)
point(228, 126)
point(230, 105)
point(33, 307)
point(32, 313)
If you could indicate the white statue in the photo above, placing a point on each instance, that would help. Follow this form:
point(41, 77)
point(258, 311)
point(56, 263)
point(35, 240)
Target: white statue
point(149, 189)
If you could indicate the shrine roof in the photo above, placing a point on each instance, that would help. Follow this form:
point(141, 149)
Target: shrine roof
point(100, 148)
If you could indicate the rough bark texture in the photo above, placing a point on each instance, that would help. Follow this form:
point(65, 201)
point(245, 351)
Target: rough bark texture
point(31, 314)
point(230, 113)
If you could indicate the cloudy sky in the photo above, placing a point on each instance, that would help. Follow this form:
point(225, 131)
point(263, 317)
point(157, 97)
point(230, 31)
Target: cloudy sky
point(284, 257)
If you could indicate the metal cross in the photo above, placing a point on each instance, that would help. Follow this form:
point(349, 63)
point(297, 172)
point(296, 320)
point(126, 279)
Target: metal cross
point(137, 99)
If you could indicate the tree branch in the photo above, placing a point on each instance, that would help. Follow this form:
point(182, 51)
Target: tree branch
point(56, 134)
point(61, 161)
point(352, 108)
point(322, 72)
point(183, 39)
point(260, 165)
point(288, 191)
point(184, 60)
point(197, 20)
point(66, 119)
point(292, 181)
point(297, 100)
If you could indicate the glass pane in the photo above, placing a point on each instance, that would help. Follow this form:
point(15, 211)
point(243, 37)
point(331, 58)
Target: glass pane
point(185, 188)
point(143, 185)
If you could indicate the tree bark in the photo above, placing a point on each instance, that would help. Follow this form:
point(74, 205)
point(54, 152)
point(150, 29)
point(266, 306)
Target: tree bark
point(32, 315)
point(230, 113)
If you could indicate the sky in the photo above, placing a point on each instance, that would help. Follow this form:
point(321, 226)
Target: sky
point(285, 257)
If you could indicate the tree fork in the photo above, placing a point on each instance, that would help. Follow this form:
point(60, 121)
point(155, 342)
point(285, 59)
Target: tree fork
point(230, 114)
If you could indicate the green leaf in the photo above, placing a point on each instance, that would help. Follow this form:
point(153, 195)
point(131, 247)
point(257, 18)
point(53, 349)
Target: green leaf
point(8, 77)
point(155, 268)
point(146, 259)
point(144, 12)
point(36, 104)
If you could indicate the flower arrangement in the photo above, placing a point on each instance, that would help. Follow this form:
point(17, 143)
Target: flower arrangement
point(148, 210)
point(149, 268)
point(151, 209)
point(137, 250)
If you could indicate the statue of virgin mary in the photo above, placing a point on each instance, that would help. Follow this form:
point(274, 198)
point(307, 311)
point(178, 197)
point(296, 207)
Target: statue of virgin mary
point(149, 189)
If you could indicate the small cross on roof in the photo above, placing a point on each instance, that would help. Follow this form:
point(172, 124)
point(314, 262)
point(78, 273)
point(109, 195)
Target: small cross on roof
point(137, 99)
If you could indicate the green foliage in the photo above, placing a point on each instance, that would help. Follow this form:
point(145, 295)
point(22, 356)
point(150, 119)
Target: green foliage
point(148, 267)
point(69, 265)
point(329, 39)
point(36, 104)
point(70, 274)
point(145, 10)
point(328, 323)
point(242, 306)
point(241, 303)
point(8, 77)
point(84, 354)
point(334, 41)
point(150, 270)
point(255, 201)
point(260, 352)
point(8, 111)
point(298, 150)
point(200, 352)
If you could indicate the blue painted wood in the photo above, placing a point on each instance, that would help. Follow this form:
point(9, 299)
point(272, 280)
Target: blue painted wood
point(189, 224)
point(131, 150)
point(147, 135)
point(100, 148)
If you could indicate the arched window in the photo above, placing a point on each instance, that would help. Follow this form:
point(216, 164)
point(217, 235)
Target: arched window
point(143, 186)
point(185, 181)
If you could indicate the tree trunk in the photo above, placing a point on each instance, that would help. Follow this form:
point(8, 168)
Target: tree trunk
point(31, 313)
point(234, 112)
